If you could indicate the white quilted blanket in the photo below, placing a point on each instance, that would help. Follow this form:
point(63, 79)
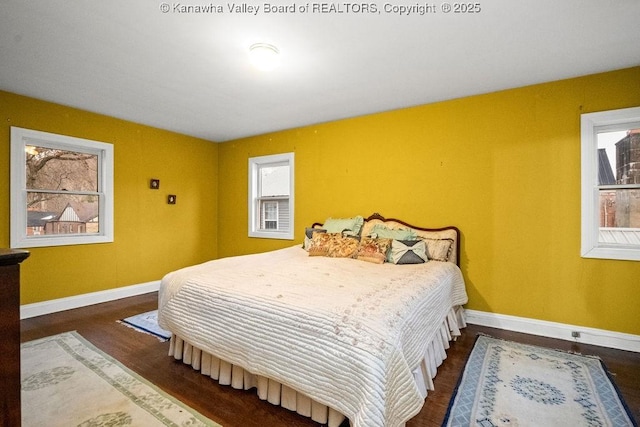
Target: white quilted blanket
point(347, 333)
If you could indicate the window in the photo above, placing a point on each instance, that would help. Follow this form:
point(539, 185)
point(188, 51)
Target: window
point(61, 190)
point(611, 184)
point(271, 196)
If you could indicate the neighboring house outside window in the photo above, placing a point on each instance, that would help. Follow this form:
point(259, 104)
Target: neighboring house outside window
point(271, 196)
point(61, 190)
point(269, 213)
point(611, 184)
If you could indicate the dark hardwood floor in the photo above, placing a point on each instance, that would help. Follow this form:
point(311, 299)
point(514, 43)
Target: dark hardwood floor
point(147, 356)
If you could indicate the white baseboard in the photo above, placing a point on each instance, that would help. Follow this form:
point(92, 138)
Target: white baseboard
point(53, 306)
point(562, 331)
point(544, 328)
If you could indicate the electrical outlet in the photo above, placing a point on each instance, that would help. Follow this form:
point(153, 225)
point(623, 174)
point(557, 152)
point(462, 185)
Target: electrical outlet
point(575, 334)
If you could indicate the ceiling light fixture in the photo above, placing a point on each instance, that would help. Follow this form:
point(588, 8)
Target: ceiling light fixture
point(264, 56)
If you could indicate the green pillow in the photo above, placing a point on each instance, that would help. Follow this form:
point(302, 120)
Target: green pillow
point(382, 232)
point(351, 226)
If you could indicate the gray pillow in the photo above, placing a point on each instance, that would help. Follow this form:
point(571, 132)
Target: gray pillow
point(408, 252)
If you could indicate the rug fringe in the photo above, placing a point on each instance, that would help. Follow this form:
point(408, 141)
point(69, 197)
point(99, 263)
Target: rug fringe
point(161, 339)
point(577, 353)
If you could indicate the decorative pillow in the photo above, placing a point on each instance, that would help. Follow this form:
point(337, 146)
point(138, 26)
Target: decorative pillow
point(350, 226)
point(333, 245)
point(308, 235)
point(439, 249)
point(408, 252)
point(381, 232)
point(308, 232)
point(373, 250)
point(319, 244)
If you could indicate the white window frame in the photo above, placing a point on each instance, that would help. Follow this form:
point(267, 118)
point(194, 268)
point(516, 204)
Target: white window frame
point(254, 190)
point(20, 138)
point(591, 124)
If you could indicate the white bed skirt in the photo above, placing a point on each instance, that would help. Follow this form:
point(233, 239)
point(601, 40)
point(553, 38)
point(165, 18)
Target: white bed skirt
point(278, 394)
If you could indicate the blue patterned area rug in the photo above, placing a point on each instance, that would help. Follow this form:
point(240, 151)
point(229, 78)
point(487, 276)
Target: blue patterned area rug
point(510, 384)
point(147, 322)
point(66, 381)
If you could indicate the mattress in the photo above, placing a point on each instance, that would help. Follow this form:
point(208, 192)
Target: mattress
point(347, 333)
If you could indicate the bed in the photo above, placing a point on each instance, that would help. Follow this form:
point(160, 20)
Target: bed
point(351, 324)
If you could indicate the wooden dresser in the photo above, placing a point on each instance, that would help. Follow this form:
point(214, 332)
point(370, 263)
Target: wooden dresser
point(10, 341)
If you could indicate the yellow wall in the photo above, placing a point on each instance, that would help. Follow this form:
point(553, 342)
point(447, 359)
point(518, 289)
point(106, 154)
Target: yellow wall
point(151, 237)
point(503, 167)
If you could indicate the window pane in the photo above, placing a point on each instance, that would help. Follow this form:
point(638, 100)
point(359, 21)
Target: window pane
point(619, 217)
point(269, 215)
point(50, 169)
point(55, 213)
point(620, 208)
point(274, 181)
point(270, 211)
point(619, 157)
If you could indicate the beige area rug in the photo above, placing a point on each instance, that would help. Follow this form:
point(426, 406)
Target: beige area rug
point(66, 381)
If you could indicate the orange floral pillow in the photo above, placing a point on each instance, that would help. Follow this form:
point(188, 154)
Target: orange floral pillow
point(333, 245)
point(373, 250)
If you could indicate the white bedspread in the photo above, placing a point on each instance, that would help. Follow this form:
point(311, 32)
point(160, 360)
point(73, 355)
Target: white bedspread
point(347, 333)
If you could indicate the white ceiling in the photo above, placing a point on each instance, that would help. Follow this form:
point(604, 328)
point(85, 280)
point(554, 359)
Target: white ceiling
point(189, 72)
